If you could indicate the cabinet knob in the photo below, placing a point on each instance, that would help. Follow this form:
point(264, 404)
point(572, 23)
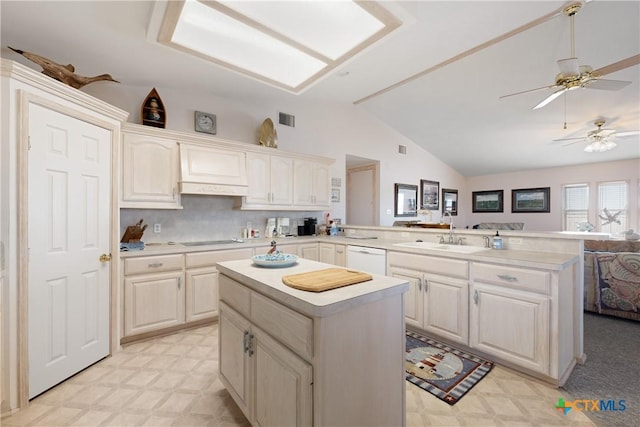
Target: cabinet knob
point(475, 297)
point(507, 278)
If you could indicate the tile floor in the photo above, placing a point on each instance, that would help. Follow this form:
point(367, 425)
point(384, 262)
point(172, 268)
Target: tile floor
point(173, 381)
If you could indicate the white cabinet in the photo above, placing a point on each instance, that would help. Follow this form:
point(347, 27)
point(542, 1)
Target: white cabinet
point(308, 251)
point(150, 170)
point(153, 293)
point(270, 179)
point(311, 184)
point(331, 253)
point(510, 314)
point(271, 383)
point(212, 170)
point(202, 281)
point(437, 300)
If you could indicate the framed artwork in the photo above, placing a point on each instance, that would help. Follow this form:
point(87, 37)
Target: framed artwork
point(335, 194)
point(450, 201)
point(430, 195)
point(406, 200)
point(530, 200)
point(487, 201)
point(205, 122)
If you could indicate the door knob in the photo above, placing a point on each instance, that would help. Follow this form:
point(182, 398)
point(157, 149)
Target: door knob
point(105, 258)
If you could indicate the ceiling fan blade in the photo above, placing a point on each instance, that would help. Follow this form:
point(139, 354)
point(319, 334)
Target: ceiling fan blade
point(530, 90)
point(571, 143)
point(623, 134)
point(617, 66)
point(570, 139)
point(550, 98)
point(605, 84)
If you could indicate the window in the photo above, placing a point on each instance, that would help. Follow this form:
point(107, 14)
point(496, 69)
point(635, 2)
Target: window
point(575, 214)
point(612, 206)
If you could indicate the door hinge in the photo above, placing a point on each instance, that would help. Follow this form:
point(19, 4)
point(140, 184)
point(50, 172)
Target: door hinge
point(29, 143)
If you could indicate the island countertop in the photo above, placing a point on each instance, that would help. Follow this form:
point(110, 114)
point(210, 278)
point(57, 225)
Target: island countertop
point(268, 281)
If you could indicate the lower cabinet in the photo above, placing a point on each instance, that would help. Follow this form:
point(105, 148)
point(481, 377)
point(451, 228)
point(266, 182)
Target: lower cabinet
point(435, 303)
point(153, 293)
point(166, 291)
point(331, 253)
point(511, 314)
point(308, 251)
point(272, 384)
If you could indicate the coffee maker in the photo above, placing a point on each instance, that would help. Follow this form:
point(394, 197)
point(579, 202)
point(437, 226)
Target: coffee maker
point(309, 227)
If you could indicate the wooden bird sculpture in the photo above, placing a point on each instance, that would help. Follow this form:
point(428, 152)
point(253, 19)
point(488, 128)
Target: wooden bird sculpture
point(64, 73)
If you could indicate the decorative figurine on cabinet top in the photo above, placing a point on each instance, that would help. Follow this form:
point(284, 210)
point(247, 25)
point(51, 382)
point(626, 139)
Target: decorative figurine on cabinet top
point(268, 135)
point(62, 73)
point(153, 112)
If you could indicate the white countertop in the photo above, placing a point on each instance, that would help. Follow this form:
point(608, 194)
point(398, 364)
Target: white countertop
point(268, 281)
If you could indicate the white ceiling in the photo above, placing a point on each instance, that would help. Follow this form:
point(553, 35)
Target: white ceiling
point(454, 111)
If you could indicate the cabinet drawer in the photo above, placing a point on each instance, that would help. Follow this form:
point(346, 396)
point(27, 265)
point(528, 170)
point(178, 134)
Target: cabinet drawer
point(287, 326)
point(430, 264)
point(235, 295)
point(517, 278)
point(201, 259)
point(150, 264)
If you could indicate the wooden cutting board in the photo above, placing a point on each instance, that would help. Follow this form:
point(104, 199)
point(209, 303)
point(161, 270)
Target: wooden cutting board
point(323, 280)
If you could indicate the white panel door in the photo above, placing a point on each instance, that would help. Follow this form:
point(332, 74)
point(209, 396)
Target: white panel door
point(69, 228)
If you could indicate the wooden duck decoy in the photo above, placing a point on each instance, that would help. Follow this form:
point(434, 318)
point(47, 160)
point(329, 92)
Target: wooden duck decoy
point(63, 73)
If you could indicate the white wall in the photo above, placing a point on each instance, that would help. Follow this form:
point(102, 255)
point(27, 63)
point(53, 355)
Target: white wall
point(328, 130)
point(628, 170)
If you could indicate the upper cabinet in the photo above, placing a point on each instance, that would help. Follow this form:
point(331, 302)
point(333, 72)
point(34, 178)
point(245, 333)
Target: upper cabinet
point(311, 184)
point(212, 170)
point(149, 172)
point(270, 181)
point(159, 165)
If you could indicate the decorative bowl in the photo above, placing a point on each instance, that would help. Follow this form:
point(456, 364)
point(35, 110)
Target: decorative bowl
point(275, 260)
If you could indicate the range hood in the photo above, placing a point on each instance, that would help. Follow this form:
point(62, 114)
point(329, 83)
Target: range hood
point(210, 170)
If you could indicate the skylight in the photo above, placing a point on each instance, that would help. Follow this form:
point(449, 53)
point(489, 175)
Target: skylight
point(289, 44)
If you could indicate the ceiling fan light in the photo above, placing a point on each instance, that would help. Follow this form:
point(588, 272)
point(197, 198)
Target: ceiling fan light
point(600, 146)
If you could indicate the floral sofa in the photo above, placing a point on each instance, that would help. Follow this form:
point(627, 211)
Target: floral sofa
point(612, 278)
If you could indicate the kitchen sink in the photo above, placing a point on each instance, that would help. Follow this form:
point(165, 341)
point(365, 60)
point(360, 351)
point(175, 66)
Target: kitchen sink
point(440, 247)
point(211, 242)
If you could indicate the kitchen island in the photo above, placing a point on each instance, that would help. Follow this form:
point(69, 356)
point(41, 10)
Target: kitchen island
point(293, 357)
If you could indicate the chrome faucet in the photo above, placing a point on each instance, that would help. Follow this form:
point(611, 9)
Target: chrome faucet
point(451, 240)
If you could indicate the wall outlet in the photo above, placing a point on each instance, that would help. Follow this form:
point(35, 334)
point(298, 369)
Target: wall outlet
point(157, 228)
point(388, 211)
point(404, 234)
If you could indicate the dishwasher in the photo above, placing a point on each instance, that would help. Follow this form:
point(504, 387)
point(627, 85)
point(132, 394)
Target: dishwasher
point(369, 260)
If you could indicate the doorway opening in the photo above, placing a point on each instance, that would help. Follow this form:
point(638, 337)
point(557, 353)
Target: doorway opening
point(362, 191)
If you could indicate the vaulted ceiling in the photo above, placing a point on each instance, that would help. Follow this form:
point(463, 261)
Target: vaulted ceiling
point(437, 78)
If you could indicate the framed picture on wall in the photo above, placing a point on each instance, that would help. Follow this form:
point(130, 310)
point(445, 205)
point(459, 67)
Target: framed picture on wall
point(430, 195)
point(450, 201)
point(405, 200)
point(530, 200)
point(487, 201)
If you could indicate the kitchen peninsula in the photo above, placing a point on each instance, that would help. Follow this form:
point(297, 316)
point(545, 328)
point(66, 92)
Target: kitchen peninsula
point(293, 357)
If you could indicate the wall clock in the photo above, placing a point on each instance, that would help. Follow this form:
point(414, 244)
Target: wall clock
point(205, 122)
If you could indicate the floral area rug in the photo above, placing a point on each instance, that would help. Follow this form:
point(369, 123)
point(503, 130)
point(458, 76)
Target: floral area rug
point(441, 370)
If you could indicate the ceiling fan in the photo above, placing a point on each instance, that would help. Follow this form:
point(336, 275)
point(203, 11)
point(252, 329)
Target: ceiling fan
point(573, 75)
point(599, 139)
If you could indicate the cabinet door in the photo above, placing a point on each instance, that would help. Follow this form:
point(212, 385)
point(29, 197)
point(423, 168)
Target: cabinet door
point(234, 362)
point(258, 178)
point(201, 293)
point(446, 307)
point(327, 253)
point(321, 184)
point(283, 384)
point(308, 251)
point(149, 172)
point(281, 178)
point(341, 255)
point(153, 301)
point(303, 183)
point(413, 298)
point(511, 324)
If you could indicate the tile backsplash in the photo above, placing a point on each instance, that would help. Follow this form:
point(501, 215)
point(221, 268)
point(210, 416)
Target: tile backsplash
point(205, 218)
